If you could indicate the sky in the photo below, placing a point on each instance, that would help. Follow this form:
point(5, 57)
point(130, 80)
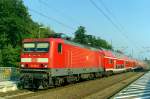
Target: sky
point(123, 23)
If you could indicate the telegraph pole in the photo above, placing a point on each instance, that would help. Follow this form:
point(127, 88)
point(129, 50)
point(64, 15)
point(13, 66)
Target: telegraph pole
point(132, 53)
point(111, 42)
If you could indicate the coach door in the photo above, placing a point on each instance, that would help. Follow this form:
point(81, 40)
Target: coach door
point(115, 64)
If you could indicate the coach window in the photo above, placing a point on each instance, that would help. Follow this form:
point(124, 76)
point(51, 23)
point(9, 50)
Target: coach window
point(127, 62)
point(110, 61)
point(116, 66)
point(59, 48)
point(122, 66)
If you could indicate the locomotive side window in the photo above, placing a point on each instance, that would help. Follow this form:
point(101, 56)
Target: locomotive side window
point(59, 48)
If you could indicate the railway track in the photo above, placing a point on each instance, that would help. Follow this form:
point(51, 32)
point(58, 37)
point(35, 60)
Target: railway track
point(13, 94)
point(108, 92)
point(77, 91)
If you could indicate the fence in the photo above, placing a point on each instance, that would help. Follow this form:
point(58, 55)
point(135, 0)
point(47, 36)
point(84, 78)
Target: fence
point(9, 73)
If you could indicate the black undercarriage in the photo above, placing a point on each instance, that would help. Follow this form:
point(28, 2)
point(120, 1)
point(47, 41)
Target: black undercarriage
point(42, 79)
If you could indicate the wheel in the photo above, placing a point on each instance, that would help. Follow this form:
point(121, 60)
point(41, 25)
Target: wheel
point(37, 85)
point(20, 85)
point(44, 84)
point(59, 81)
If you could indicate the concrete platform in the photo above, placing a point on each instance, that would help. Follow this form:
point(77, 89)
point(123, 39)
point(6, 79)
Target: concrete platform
point(6, 86)
point(140, 89)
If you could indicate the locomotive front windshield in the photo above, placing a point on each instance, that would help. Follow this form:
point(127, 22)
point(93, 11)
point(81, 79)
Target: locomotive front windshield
point(36, 47)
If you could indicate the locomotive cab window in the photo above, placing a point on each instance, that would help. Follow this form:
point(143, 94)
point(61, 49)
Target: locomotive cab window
point(36, 47)
point(42, 47)
point(59, 48)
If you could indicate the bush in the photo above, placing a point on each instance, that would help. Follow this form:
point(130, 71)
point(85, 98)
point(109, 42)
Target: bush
point(9, 56)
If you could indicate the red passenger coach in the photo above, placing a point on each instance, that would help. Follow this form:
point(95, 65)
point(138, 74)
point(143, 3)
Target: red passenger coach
point(115, 62)
point(109, 61)
point(53, 61)
point(126, 62)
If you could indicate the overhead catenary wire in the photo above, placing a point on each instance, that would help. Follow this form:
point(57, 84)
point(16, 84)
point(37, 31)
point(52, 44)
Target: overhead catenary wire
point(119, 24)
point(64, 15)
point(113, 16)
point(110, 13)
point(53, 19)
point(108, 18)
point(112, 22)
point(105, 15)
point(70, 27)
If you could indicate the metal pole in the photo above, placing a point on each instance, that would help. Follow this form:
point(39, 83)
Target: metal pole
point(132, 52)
point(111, 42)
point(39, 31)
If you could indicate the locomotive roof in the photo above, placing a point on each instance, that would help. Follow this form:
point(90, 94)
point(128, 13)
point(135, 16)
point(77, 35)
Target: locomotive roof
point(108, 53)
point(36, 39)
point(113, 54)
point(59, 39)
point(81, 45)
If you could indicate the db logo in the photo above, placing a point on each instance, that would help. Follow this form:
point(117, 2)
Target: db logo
point(34, 59)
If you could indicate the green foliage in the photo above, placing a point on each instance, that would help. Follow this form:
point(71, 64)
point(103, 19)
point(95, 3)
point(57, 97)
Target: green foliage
point(14, 20)
point(9, 56)
point(44, 32)
point(80, 36)
point(15, 25)
point(90, 40)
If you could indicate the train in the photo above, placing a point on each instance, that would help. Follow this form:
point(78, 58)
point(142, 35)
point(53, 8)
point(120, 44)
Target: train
point(53, 61)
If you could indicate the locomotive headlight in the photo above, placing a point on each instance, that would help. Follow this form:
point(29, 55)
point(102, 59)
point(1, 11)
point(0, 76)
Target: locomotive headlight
point(45, 65)
point(22, 65)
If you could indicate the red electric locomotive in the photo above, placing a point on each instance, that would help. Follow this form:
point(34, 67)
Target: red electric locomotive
point(54, 61)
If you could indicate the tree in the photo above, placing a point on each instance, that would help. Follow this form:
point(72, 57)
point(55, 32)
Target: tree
point(14, 20)
point(9, 56)
point(90, 40)
point(44, 32)
point(80, 36)
point(15, 25)
point(103, 43)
